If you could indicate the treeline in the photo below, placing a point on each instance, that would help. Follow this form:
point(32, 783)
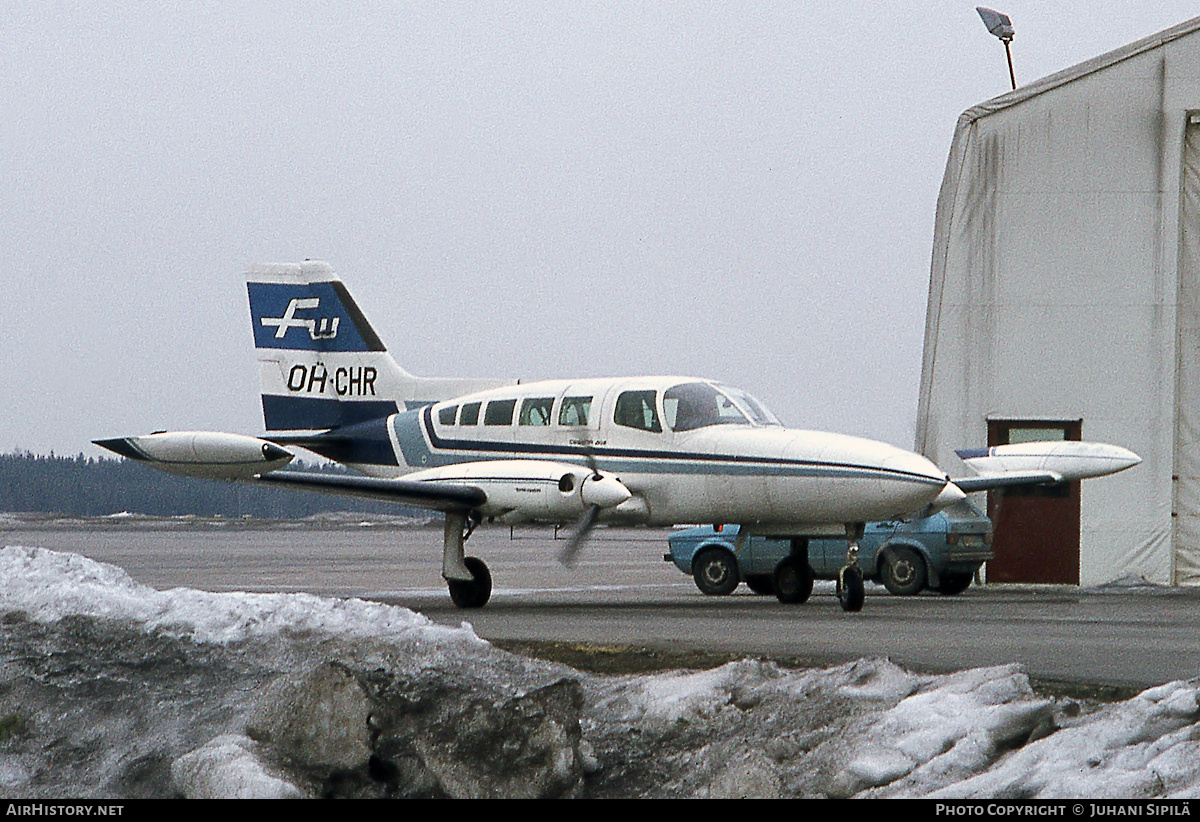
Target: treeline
point(87, 487)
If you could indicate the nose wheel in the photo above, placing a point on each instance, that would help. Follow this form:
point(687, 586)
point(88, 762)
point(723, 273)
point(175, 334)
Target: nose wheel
point(850, 589)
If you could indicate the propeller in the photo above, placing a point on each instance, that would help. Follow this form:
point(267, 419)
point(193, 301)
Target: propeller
point(598, 492)
point(570, 554)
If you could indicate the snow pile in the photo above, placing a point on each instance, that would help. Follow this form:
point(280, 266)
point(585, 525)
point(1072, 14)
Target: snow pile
point(961, 725)
point(1146, 747)
point(111, 689)
point(49, 585)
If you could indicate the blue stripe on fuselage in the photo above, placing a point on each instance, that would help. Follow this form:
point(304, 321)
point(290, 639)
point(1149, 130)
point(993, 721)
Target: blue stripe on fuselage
point(415, 434)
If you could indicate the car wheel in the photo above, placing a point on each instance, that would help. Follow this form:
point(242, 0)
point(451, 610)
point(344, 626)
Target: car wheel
point(952, 584)
point(760, 584)
point(715, 571)
point(903, 571)
point(793, 581)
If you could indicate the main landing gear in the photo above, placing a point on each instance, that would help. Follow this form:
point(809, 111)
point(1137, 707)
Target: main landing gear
point(468, 578)
point(850, 589)
point(793, 578)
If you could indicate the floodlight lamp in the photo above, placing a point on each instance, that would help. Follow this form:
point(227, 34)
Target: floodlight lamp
point(997, 24)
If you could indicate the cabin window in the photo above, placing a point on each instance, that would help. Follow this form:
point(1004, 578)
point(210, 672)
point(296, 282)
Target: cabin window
point(535, 411)
point(574, 411)
point(470, 414)
point(499, 412)
point(635, 409)
point(446, 415)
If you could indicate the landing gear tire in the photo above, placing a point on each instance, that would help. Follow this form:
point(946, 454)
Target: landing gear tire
point(953, 584)
point(715, 572)
point(793, 581)
point(903, 572)
point(475, 593)
point(850, 589)
point(760, 584)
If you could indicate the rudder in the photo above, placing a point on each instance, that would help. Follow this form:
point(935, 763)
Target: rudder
point(321, 364)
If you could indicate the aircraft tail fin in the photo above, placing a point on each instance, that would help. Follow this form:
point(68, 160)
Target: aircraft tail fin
point(321, 364)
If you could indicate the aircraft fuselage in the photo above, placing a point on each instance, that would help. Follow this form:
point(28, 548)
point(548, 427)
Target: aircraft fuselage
point(755, 473)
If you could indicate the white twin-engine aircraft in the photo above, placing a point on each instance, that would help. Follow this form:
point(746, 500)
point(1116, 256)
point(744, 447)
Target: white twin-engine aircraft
point(650, 450)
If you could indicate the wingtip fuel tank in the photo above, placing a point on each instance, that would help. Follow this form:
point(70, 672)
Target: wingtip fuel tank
point(1072, 460)
point(203, 454)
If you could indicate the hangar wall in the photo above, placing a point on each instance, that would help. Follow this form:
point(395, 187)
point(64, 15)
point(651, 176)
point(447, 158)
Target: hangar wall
point(1061, 283)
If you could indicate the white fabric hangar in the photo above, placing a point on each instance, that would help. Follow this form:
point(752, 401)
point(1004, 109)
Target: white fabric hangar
point(1064, 301)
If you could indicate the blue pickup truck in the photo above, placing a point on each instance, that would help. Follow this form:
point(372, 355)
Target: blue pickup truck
point(941, 552)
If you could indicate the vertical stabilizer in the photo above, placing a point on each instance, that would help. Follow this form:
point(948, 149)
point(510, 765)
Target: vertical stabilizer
point(321, 364)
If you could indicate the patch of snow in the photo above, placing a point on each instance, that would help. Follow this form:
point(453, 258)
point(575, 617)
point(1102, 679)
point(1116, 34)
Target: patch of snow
point(1145, 747)
point(49, 585)
point(228, 768)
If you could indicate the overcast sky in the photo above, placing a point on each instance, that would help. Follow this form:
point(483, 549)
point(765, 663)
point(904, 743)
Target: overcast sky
point(738, 191)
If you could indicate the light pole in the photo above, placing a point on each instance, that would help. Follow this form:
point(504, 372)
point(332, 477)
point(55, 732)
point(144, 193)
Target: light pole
point(999, 25)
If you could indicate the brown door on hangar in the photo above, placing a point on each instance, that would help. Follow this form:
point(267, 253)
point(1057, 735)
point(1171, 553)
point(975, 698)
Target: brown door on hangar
point(1036, 527)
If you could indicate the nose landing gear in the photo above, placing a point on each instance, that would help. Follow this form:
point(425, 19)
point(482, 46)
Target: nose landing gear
point(850, 589)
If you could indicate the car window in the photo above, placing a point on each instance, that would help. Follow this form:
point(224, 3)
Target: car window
point(635, 409)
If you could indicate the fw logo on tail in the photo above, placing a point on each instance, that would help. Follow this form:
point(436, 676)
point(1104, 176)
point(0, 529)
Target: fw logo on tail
point(322, 328)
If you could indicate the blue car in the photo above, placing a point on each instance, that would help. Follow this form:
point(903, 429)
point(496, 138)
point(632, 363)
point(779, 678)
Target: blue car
point(941, 552)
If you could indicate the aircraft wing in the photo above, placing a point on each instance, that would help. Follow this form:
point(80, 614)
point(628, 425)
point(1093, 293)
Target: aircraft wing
point(436, 496)
point(986, 482)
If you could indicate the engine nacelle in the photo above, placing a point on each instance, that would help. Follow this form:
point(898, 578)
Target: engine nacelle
point(532, 490)
point(203, 454)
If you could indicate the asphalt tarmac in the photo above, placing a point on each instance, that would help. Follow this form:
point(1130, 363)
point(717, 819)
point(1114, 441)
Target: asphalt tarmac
point(622, 594)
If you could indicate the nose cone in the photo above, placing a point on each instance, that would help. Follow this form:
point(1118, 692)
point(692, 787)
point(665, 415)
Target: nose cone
point(950, 495)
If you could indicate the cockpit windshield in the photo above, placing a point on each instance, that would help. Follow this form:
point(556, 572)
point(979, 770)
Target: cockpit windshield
point(694, 405)
point(757, 411)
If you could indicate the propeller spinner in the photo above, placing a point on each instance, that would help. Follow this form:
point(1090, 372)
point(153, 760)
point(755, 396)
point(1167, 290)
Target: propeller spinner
point(598, 491)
